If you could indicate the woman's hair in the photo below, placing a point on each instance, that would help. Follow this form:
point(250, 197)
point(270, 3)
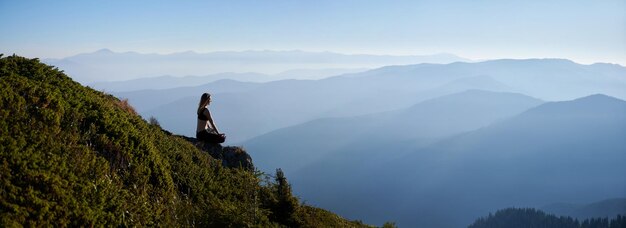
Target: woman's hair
point(203, 100)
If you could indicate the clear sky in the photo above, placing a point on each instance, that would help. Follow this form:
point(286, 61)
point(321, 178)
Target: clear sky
point(584, 31)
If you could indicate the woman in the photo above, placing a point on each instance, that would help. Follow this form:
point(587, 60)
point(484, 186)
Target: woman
point(206, 130)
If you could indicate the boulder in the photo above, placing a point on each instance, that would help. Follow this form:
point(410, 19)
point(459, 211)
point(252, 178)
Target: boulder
point(231, 156)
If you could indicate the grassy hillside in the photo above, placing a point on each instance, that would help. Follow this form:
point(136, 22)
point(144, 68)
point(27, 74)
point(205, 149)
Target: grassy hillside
point(70, 155)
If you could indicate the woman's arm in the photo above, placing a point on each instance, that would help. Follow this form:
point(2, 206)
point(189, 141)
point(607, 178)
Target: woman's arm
point(207, 113)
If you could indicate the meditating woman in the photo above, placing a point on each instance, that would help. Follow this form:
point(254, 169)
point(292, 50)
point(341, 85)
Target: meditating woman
point(206, 130)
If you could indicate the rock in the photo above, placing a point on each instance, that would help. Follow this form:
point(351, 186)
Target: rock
point(231, 156)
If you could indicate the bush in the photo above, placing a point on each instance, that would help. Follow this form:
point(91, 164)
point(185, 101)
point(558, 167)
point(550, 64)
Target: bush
point(153, 120)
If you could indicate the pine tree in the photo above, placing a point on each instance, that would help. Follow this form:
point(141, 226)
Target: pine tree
point(286, 205)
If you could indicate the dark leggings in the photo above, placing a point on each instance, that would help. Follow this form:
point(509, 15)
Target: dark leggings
point(210, 137)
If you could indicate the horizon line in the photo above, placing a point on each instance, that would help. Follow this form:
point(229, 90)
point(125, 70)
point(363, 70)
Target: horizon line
point(468, 60)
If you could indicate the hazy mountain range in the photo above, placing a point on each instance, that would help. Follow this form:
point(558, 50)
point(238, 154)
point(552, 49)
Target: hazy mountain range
point(394, 132)
point(169, 82)
point(426, 145)
point(106, 65)
point(255, 109)
point(569, 151)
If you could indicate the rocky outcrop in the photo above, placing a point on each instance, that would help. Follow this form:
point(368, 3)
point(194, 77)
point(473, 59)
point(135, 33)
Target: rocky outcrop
point(231, 156)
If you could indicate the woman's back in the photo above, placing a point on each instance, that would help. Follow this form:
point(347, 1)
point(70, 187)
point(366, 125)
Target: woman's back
point(203, 120)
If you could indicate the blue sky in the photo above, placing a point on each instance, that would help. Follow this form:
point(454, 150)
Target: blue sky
point(584, 31)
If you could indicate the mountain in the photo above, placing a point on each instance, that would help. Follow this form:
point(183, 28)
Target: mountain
point(291, 102)
point(481, 82)
point(295, 147)
point(285, 103)
point(171, 82)
point(605, 208)
point(149, 99)
point(314, 74)
point(548, 79)
point(73, 156)
point(106, 65)
point(568, 151)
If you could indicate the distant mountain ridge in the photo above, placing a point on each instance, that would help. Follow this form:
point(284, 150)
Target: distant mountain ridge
point(421, 123)
point(555, 152)
point(106, 65)
point(152, 98)
point(170, 82)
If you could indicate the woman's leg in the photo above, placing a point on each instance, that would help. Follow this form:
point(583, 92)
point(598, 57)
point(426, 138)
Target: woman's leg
point(202, 136)
point(208, 137)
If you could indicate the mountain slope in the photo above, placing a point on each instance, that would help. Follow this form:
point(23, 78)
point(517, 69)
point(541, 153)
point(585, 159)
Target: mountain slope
point(559, 151)
point(568, 151)
point(73, 156)
point(364, 135)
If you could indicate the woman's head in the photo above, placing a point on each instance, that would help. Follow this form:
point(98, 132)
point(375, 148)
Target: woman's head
point(204, 100)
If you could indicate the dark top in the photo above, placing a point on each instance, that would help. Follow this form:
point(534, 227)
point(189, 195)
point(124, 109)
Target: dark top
point(201, 115)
